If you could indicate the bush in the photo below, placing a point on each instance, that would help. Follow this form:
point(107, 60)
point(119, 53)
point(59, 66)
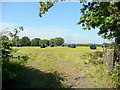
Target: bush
point(115, 77)
point(95, 58)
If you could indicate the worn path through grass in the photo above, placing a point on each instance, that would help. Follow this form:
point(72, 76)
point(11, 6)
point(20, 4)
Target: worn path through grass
point(70, 64)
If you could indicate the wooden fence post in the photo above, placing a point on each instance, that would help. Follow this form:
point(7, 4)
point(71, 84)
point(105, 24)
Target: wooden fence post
point(110, 59)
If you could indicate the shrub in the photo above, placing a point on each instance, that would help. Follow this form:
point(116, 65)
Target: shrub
point(95, 58)
point(115, 77)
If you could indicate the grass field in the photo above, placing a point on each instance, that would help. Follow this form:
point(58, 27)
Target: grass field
point(59, 67)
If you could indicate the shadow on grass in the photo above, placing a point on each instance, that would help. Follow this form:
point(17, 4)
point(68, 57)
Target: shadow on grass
point(28, 77)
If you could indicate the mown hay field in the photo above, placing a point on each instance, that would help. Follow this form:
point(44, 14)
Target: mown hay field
point(78, 67)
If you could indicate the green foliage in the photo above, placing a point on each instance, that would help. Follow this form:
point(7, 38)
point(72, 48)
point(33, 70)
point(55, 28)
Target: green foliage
point(15, 42)
point(44, 6)
point(109, 45)
point(106, 19)
point(83, 44)
point(9, 70)
point(4, 37)
point(15, 38)
point(105, 44)
point(99, 45)
point(98, 54)
point(95, 58)
point(44, 41)
point(16, 31)
point(112, 46)
point(58, 41)
point(51, 41)
point(6, 49)
point(35, 41)
point(115, 77)
point(6, 43)
point(25, 41)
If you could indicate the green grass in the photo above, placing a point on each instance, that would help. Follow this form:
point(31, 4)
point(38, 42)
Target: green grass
point(69, 64)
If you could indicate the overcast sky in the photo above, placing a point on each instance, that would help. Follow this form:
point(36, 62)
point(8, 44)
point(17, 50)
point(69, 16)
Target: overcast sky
point(59, 21)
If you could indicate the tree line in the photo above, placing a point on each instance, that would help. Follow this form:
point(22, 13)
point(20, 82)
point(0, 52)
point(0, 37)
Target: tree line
point(25, 41)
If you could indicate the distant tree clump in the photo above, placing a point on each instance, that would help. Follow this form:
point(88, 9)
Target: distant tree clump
point(58, 41)
point(51, 41)
point(44, 41)
point(25, 41)
point(35, 41)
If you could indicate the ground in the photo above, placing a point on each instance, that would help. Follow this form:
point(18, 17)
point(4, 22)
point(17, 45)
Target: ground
point(62, 67)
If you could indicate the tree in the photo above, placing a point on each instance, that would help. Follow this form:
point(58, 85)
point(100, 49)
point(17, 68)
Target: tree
point(102, 15)
point(51, 41)
point(44, 41)
point(6, 43)
point(105, 44)
point(16, 31)
point(9, 70)
point(45, 6)
point(58, 41)
point(4, 37)
point(15, 41)
point(35, 41)
point(15, 38)
point(25, 41)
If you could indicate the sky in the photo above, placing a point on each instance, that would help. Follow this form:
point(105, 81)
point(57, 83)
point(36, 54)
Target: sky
point(59, 21)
